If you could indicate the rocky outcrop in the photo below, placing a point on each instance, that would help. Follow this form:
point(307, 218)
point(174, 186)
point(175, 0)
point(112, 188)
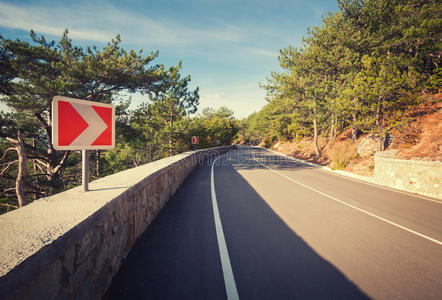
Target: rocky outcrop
point(369, 145)
point(372, 143)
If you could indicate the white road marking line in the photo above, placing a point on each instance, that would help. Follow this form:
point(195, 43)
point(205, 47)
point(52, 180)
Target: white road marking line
point(229, 280)
point(411, 194)
point(352, 206)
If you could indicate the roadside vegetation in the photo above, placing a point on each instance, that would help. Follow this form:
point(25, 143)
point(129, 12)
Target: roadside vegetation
point(31, 74)
point(364, 71)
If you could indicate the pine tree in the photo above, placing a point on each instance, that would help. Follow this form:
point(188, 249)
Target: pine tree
point(44, 69)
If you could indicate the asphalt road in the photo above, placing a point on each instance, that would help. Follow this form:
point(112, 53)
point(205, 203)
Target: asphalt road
point(285, 231)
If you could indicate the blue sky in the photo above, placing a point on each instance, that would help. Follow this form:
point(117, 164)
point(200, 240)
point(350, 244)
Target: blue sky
point(227, 47)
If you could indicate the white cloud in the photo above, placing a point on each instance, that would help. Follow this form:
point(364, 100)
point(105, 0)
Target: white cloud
point(48, 21)
point(218, 43)
point(242, 103)
point(104, 21)
point(264, 52)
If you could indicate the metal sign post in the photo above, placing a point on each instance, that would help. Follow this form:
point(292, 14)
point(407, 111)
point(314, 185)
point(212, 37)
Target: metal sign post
point(85, 170)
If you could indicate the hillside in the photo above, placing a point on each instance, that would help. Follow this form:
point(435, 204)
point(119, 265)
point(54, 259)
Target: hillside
point(420, 138)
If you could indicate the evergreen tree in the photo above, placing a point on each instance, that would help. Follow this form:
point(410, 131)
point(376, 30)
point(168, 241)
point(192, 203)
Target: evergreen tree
point(44, 69)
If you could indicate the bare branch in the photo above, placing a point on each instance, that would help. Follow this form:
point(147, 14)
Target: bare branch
point(7, 167)
point(42, 170)
point(6, 151)
point(62, 162)
point(41, 166)
point(41, 159)
point(11, 140)
point(8, 205)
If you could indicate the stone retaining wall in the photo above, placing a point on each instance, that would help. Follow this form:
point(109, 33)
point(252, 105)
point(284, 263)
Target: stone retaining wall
point(423, 177)
point(70, 245)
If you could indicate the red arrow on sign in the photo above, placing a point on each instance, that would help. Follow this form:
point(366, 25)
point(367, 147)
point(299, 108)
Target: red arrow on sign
point(194, 140)
point(80, 124)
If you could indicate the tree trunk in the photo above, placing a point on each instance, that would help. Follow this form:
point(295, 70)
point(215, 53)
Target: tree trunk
point(19, 183)
point(34, 164)
point(379, 125)
point(170, 132)
point(332, 135)
point(315, 135)
point(52, 163)
point(354, 127)
point(97, 163)
point(19, 147)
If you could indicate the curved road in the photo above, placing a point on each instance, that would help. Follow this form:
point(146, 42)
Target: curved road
point(285, 231)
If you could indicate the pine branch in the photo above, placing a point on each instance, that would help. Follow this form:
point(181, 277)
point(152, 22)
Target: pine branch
point(8, 205)
point(11, 140)
point(9, 190)
point(6, 151)
point(8, 165)
point(62, 162)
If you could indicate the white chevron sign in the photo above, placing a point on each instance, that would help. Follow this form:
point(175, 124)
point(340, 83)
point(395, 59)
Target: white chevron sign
point(91, 133)
point(81, 125)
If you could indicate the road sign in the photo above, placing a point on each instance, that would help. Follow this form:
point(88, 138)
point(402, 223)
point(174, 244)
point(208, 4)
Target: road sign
point(82, 125)
point(194, 140)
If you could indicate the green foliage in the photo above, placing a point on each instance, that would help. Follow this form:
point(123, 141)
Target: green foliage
point(32, 73)
point(37, 71)
point(361, 69)
point(215, 127)
point(339, 163)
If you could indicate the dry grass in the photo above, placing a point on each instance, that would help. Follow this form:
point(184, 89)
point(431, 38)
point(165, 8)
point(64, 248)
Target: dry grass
point(420, 139)
point(338, 155)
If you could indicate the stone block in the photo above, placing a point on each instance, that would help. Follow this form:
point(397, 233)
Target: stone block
point(139, 222)
point(143, 198)
point(63, 294)
point(115, 242)
point(115, 264)
point(68, 260)
point(124, 209)
point(84, 247)
point(104, 279)
point(76, 279)
point(87, 247)
point(45, 285)
point(87, 290)
point(102, 256)
point(130, 239)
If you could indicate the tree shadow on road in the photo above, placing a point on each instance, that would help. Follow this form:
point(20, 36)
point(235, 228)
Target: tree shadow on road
point(245, 160)
point(177, 257)
point(269, 260)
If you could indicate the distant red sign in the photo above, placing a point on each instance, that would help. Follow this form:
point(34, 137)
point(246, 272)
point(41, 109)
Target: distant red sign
point(80, 124)
point(194, 140)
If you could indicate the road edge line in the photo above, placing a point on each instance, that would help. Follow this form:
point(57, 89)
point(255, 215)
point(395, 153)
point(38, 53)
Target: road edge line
point(357, 178)
point(229, 280)
point(352, 206)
